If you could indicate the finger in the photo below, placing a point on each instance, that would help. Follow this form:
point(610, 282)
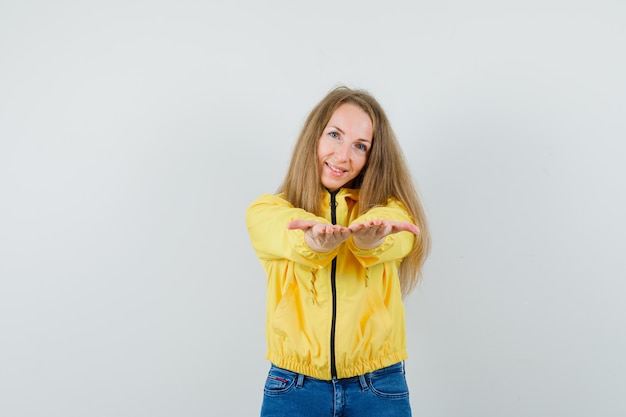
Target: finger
point(300, 224)
point(318, 230)
point(357, 227)
point(405, 227)
point(344, 233)
point(370, 227)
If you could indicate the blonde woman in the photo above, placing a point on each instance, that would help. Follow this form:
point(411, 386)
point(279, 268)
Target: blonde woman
point(341, 242)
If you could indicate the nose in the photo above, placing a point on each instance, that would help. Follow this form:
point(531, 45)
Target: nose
point(342, 151)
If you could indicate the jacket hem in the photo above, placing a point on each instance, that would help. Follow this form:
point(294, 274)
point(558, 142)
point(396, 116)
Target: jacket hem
point(323, 373)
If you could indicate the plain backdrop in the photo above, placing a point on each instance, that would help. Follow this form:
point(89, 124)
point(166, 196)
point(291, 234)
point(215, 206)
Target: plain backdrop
point(134, 134)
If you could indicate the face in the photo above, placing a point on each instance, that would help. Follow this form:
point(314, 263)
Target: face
point(344, 146)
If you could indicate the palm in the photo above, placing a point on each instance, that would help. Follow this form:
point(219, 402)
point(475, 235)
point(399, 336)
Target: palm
point(370, 234)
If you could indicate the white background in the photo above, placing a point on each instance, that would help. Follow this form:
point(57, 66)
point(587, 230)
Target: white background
point(133, 135)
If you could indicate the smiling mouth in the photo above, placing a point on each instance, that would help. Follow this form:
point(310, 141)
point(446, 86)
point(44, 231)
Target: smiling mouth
point(335, 169)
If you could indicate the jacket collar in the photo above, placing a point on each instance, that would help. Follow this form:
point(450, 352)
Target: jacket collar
point(351, 193)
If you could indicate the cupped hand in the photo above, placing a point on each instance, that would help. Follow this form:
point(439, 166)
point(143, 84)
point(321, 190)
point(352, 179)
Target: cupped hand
point(370, 234)
point(320, 237)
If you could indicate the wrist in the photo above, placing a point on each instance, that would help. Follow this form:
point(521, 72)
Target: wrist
point(367, 245)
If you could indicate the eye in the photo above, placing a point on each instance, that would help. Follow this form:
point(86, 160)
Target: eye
point(333, 135)
point(361, 147)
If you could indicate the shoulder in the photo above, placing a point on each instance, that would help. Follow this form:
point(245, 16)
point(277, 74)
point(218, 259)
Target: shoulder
point(276, 199)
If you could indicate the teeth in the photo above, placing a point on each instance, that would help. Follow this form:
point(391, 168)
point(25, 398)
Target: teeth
point(334, 169)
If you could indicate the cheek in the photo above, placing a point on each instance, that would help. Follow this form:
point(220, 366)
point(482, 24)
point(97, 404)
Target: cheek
point(320, 149)
point(324, 151)
point(360, 161)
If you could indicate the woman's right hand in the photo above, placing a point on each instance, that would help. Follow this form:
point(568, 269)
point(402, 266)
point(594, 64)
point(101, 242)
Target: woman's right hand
point(321, 237)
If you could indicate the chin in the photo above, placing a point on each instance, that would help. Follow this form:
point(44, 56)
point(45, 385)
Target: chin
point(335, 186)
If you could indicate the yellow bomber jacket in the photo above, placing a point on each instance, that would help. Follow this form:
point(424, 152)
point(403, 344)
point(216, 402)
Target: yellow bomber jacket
point(330, 318)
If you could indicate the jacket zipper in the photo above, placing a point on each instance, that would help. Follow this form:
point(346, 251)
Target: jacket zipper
point(333, 283)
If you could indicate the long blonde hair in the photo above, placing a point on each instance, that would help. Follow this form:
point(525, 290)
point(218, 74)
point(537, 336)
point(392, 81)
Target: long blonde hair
point(385, 174)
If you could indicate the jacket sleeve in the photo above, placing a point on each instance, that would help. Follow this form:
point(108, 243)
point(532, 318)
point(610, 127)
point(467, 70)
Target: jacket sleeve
point(395, 247)
point(267, 218)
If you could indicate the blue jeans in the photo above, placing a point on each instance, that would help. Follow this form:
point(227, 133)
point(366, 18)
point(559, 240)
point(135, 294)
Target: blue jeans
point(382, 393)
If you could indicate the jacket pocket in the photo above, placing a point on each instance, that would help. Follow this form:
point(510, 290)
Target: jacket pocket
point(283, 321)
point(377, 324)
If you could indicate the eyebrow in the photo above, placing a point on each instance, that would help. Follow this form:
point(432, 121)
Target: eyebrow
point(335, 127)
point(343, 133)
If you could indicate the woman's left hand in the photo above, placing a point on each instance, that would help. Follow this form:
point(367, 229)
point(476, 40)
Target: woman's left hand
point(370, 234)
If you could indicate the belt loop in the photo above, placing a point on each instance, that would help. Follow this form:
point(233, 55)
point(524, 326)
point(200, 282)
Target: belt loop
point(300, 381)
point(362, 382)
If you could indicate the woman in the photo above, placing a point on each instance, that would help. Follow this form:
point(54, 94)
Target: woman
point(341, 243)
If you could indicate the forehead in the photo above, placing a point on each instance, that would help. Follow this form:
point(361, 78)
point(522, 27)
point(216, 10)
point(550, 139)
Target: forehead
point(352, 118)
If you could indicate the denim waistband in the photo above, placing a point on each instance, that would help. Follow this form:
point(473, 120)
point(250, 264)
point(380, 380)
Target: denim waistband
point(397, 367)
